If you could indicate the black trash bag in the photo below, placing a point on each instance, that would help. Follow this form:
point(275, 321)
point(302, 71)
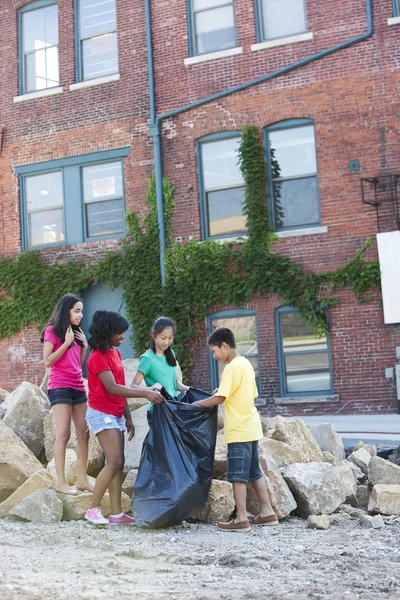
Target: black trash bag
point(177, 461)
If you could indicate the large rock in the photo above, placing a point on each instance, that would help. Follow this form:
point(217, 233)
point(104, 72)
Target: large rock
point(129, 482)
point(385, 499)
point(39, 480)
point(71, 467)
point(281, 453)
point(363, 493)
point(328, 440)
point(133, 449)
point(383, 471)
point(41, 506)
point(318, 522)
point(96, 456)
point(27, 407)
point(348, 481)
point(369, 522)
point(361, 458)
point(220, 502)
point(296, 434)
point(316, 488)
point(3, 395)
point(74, 507)
point(220, 457)
point(17, 462)
point(371, 449)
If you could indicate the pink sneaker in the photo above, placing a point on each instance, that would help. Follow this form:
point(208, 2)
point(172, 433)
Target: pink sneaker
point(94, 516)
point(122, 520)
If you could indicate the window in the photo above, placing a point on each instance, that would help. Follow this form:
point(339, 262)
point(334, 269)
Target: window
point(221, 185)
point(97, 45)
point(38, 26)
point(243, 324)
point(292, 174)
point(304, 358)
point(72, 200)
point(396, 8)
point(281, 18)
point(212, 27)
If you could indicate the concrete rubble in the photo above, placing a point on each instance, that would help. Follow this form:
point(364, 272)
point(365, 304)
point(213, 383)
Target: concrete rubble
point(305, 469)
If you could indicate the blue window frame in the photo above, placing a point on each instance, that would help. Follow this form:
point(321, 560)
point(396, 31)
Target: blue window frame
point(95, 39)
point(280, 18)
point(38, 46)
point(221, 185)
point(73, 200)
point(211, 26)
point(292, 175)
point(396, 8)
point(243, 323)
point(304, 358)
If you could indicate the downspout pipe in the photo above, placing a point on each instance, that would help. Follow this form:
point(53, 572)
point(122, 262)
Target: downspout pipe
point(243, 86)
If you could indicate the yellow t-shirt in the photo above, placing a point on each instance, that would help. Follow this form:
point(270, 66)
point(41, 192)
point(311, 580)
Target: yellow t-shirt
point(238, 386)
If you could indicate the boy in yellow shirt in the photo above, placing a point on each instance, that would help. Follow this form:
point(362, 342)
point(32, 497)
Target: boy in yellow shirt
point(243, 429)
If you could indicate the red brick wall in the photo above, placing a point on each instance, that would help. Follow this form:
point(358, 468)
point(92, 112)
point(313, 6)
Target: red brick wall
point(352, 96)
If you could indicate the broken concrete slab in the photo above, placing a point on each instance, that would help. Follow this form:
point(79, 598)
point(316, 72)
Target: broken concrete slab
point(283, 454)
point(361, 459)
point(383, 471)
point(41, 506)
point(295, 433)
point(39, 480)
point(328, 439)
point(220, 503)
point(385, 499)
point(348, 481)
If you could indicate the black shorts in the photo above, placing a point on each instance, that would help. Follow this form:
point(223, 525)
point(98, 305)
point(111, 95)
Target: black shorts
point(67, 396)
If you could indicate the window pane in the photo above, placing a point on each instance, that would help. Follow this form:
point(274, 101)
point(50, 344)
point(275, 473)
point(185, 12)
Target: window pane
point(40, 28)
point(104, 218)
point(96, 16)
point(46, 227)
point(215, 30)
point(202, 4)
point(299, 336)
point(100, 56)
point(254, 363)
point(294, 151)
point(225, 211)
point(307, 372)
point(44, 191)
point(283, 17)
point(296, 202)
point(102, 181)
point(220, 164)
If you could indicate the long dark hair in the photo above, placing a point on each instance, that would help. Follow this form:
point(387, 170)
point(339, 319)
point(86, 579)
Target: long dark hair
point(158, 326)
point(60, 321)
point(106, 323)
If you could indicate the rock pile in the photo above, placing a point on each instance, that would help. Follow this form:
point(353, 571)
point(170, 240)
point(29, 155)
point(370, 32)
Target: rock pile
point(305, 468)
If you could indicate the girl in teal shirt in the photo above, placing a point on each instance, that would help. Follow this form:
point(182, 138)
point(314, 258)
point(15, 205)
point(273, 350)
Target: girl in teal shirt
point(158, 365)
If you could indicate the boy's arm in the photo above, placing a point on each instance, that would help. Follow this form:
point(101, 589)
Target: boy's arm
point(211, 401)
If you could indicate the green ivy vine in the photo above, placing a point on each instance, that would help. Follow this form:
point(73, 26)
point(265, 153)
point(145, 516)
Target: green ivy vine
point(201, 277)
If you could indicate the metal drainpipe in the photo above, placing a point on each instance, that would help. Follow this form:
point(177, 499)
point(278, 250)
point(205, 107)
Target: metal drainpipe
point(156, 127)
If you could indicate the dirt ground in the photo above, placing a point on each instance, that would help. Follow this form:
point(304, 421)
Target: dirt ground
point(74, 560)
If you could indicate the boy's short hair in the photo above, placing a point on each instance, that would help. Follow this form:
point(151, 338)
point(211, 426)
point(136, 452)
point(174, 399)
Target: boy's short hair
point(220, 335)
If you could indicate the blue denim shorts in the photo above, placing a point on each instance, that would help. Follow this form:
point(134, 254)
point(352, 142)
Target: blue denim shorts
point(243, 462)
point(67, 396)
point(98, 421)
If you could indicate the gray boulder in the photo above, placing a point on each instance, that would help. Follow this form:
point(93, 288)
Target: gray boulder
point(295, 433)
point(385, 499)
point(318, 522)
point(41, 506)
point(372, 522)
point(361, 458)
point(348, 481)
point(383, 471)
point(328, 440)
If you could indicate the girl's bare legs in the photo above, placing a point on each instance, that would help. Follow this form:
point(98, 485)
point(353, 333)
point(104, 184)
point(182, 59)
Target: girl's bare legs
point(62, 416)
point(82, 447)
point(112, 444)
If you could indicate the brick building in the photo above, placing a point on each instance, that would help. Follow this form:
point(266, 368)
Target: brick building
point(320, 81)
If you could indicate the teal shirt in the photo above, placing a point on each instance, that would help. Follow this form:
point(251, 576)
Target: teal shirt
point(156, 370)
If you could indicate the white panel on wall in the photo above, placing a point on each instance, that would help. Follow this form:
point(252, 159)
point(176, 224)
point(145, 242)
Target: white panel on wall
point(389, 259)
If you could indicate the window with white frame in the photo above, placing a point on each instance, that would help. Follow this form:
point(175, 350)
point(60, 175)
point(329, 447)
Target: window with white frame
point(103, 198)
point(282, 18)
point(293, 180)
point(212, 26)
point(39, 47)
point(97, 43)
point(45, 209)
point(243, 324)
point(304, 358)
point(222, 186)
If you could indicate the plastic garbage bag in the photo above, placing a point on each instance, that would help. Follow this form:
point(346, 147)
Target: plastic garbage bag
point(177, 461)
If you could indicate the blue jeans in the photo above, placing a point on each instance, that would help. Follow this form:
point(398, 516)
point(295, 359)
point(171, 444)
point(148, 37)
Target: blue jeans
point(98, 421)
point(243, 462)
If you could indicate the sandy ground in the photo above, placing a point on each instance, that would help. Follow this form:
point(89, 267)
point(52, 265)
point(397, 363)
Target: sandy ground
point(77, 561)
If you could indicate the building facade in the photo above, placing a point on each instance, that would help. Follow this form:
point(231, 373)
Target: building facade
point(320, 81)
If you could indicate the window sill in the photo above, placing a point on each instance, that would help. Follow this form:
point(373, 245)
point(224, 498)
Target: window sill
point(308, 399)
point(90, 82)
point(394, 21)
point(41, 94)
point(194, 60)
point(303, 37)
point(305, 231)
